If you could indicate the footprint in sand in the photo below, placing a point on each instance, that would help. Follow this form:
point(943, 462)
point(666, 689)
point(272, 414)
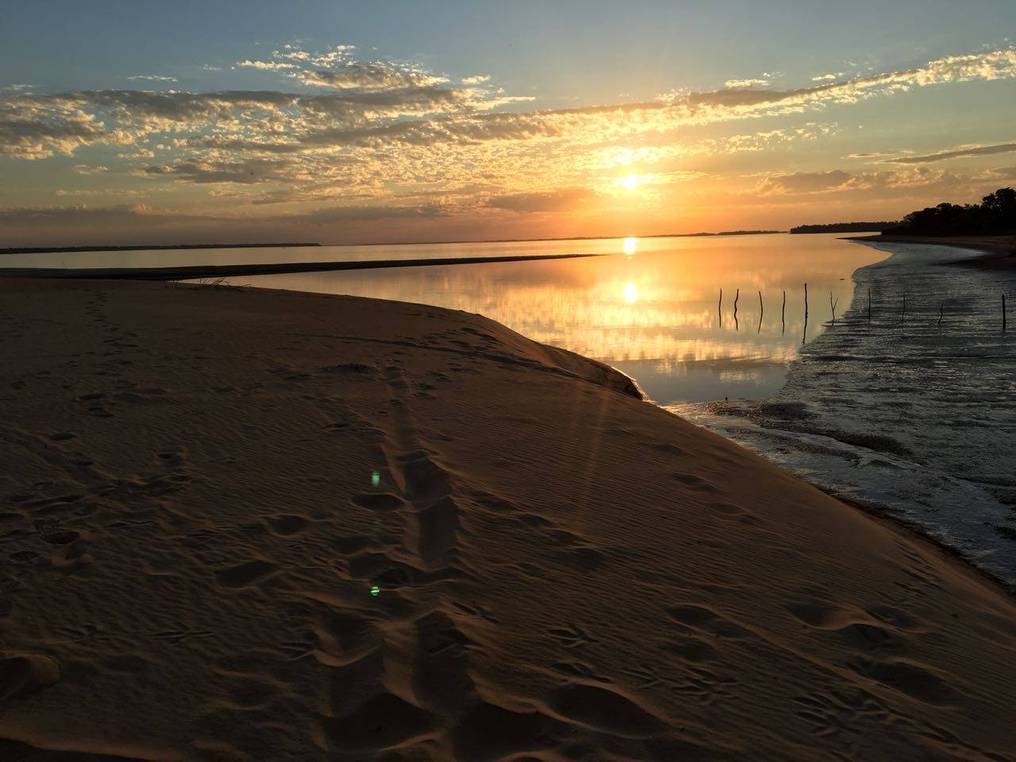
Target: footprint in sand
point(286, 524)
point(245, 574)
point(707, 620)
point(695, 482)
point(914, 680)
point(380, 722)
point(381, 501)
point(605, 709)
point(27, 673)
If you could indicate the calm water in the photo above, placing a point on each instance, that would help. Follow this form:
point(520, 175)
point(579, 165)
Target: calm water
point(650, 307)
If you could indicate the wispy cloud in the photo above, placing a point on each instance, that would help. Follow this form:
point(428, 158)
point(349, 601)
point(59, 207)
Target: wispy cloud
point(741, 84)
point(957, 153)
point(153, 78)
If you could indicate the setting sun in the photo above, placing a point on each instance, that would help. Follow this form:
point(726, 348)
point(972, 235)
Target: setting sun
point(630, 245)
point(630, 182)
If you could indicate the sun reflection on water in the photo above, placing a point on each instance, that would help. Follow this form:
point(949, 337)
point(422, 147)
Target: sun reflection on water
point(658, 312)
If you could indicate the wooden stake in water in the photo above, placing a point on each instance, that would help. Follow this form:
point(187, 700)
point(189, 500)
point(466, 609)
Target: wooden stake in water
point(941, 312)
point(719, 308)
point(804, 338)
point(832, 305)
point(737, 295)
point(761, 312)
point(783, 313)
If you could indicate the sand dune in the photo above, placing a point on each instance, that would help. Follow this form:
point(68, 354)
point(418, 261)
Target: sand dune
point(242, 524)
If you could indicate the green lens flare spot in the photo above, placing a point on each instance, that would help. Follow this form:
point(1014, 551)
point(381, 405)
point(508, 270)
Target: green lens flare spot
point(375, 478)
point(375, 590)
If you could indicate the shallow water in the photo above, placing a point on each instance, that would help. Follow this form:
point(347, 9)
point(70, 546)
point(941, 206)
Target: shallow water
point(912, 412)
point(648, 306)
point(652, 312)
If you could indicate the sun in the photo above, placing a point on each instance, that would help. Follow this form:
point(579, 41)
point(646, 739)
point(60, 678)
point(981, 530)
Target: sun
point(630, 182)
point(630, 245)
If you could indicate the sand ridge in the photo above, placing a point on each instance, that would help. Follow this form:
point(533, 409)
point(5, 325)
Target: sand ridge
point(243, 524)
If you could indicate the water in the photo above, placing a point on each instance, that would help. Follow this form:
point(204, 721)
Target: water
point(913, 412)
point(649, 307)
point(651, 312)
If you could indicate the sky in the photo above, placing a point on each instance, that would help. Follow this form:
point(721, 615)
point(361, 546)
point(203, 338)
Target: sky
point(143, 122)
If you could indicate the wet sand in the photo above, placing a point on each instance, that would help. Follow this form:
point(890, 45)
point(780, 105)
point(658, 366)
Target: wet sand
point(247, 524)
point(1000, 250)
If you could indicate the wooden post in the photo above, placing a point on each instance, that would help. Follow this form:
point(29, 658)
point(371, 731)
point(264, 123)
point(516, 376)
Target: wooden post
point(761, 312)
point(832, 305)
point(719, 308)
point(941, 312)
point(804, 338)
point(783, 312)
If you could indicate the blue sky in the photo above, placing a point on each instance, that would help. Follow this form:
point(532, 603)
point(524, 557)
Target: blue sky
point(472, 61)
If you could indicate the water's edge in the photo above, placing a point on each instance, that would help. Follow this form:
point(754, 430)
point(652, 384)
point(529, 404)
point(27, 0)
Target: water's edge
point(903, 413)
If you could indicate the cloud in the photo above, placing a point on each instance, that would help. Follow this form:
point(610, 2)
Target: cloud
point(543, 201)
point(370, 101)
point(153, 78)
point(959, 153)
point(476, 79)
point(828, 77)
point(330, 215)
point(244, 172)
point(1006, 173)
point(370, 75)
point(805, 182)
point(266, 65)
point(135, 215)
point(741, 84)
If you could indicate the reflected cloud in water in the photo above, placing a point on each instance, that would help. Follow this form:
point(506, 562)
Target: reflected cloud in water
point(653, 314)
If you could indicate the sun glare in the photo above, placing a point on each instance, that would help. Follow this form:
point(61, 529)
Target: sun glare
point(630, 245)
point(630, 182)
point(631, 293)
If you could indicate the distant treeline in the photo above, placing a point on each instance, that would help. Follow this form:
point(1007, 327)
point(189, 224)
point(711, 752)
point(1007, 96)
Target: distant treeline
point(846, 227)
point(62, 249)
point(995, 215)
point(724, 232)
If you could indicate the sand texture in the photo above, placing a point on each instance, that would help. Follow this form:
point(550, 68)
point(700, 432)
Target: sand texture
point(199, 488)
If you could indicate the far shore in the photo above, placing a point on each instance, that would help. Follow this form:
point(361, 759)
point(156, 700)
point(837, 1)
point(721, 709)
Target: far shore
point(279, 525)
point(271, 268)
point(999, 251)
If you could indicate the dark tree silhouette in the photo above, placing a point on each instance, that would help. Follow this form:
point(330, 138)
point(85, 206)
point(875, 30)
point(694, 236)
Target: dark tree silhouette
point(995, 215)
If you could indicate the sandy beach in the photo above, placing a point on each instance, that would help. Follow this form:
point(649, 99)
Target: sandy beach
point(251, 524)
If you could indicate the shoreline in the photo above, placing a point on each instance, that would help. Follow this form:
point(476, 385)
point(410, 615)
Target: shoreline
point(999, 251)
point(74, 249)
point(210, 483)
point(191, 272)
